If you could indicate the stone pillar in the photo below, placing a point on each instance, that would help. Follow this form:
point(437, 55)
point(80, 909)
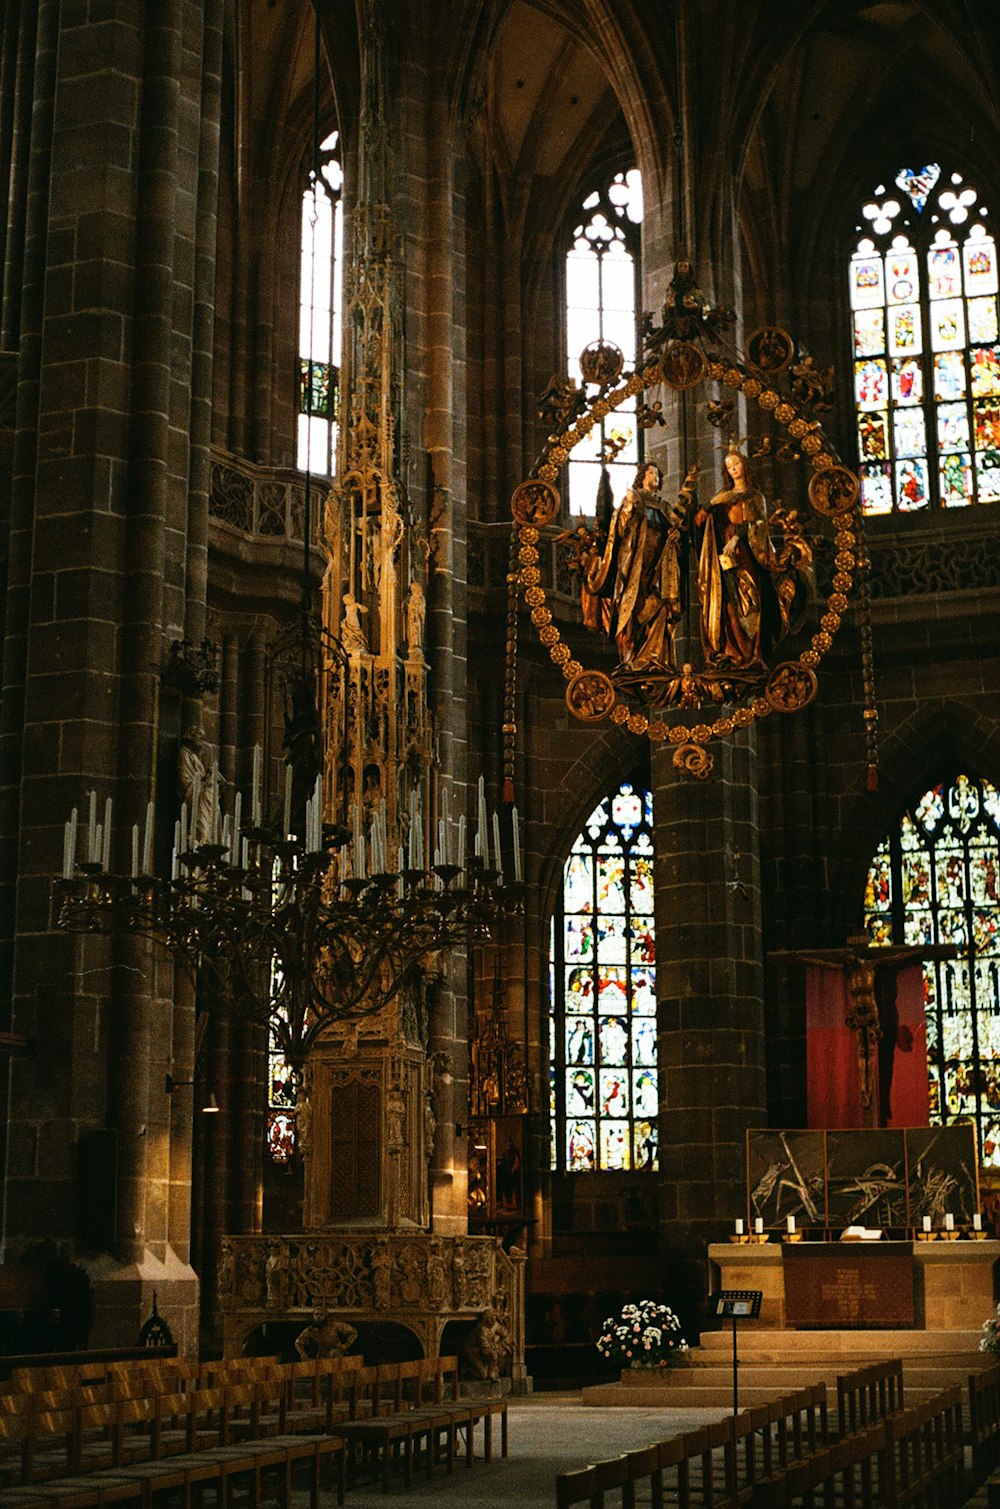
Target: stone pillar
point(711, 1012)
point(117, 209)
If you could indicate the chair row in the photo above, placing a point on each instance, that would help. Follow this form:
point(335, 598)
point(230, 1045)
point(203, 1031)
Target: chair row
point(383, 1414)
point(716, 1467)
point(868, 1395)
point(127, 1380)
point(912, 1458)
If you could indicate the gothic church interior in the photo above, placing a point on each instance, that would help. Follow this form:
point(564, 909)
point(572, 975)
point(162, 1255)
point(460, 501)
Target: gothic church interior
point(295, 301)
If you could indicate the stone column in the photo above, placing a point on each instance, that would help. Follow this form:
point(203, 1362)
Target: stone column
point(710, 1011)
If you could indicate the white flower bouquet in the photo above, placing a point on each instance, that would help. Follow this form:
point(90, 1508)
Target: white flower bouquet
point(646, 1335)
point(990, 1339)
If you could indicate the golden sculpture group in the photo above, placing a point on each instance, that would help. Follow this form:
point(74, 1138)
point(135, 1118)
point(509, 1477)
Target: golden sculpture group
point(728, 579)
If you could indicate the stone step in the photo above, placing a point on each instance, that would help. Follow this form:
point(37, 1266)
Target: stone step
point(678, 1396)
point(751, 1357)
point(870, 1344)
point(786, 1376)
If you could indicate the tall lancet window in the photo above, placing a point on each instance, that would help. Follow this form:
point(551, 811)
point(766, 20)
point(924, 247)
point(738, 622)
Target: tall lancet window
point(923, 282)
point(322, 247)
point(603, 1086)
point(602, 282)
point(934, 879)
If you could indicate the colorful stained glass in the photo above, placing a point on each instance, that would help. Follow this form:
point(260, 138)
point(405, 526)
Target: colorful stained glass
point(980, 259)
point(986, 419)
point(580, 1041)
point(280, 1136)
point(948, 325)
point(869, 332)
point(580, 1145)
point(873, 436)
point(579, 990)
point(947, 853)
point(955, 480)
point(643, 992)
point(578, 884)
point(988, 476)
point(614, 1040)
point(907, 381)
point(908, 432)
point(917, 183)
point(580, 1092)
point(953, 427)
point(984, 363)
point(904, 330)
point(644, 1041)
point(614, 1092)
point(902, 277)
point(982, 320)
point(615, 1150)
point(603, 1001)
point(911, 485)
point(611, 995)
point(944, 272)
point(949, 377)
point(644, 1093)
point(871, 384)
point(867, 286)
point(579, 943)
point(876, 488)
point(611, 883)
point(644, 1144)
point(613, 939)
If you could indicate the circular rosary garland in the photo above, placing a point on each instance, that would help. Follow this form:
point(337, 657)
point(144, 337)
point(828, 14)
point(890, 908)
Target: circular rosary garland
point(833, 492)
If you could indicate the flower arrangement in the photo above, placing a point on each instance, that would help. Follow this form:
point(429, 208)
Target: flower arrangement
point(990, 1339)
point(646, 1335)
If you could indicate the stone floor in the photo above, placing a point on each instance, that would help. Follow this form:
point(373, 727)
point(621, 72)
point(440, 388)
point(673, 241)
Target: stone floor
point(549, 1434)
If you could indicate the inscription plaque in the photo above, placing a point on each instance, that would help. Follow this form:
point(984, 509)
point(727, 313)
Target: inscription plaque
point(842, 1286)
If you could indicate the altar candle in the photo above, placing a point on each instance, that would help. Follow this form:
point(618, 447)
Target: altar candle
point(949, 1222)
point(286, 816)
point(739, 1226)
point(147, 840)
point(515, 829)
point(927, 1223)
point(790, 1223)
point(977, 1222)
point(135, 850)
point(758, 1225)
point(70, 859)
point(497, 860)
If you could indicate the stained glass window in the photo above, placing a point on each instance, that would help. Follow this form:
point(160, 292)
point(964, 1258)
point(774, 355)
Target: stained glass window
point(934, 880)
point(603, 1082)
point(602, 267)
point(280, 1134)
point(319, 314)
point(923, 283)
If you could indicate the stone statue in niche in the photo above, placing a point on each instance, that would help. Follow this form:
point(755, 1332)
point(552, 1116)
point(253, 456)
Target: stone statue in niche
point(325, 1336)
point(276, 1278)
point(488, 1350)
point(191, 769)
point(226, 1276)
point(352, 635)
point(382, 1275)
point(416, 612)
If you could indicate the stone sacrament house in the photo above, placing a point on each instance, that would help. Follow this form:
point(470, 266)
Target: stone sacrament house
point(291, 301)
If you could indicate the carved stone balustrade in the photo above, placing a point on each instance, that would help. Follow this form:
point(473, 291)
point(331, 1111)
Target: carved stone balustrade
point(415, 1279)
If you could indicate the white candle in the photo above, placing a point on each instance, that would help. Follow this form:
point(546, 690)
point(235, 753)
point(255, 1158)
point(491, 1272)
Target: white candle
point(196, 836)
point(927, 1223)
point(949, 1222)
point(461, 841)
point(739, 1226)
point(255, 788)
point(74, 819)
point(977, 1222)
point(758, 1225)
point(286, 816)
point(106, 850)
point(147, 840)
point(234, 854)
point(790, 1223)
point(182, 844)
point(498, 857)
point(92, 829)
point(135, 850)
point(67, 851)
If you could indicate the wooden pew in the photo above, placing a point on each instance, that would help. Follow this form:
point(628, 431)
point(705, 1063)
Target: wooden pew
point(868, 1395)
